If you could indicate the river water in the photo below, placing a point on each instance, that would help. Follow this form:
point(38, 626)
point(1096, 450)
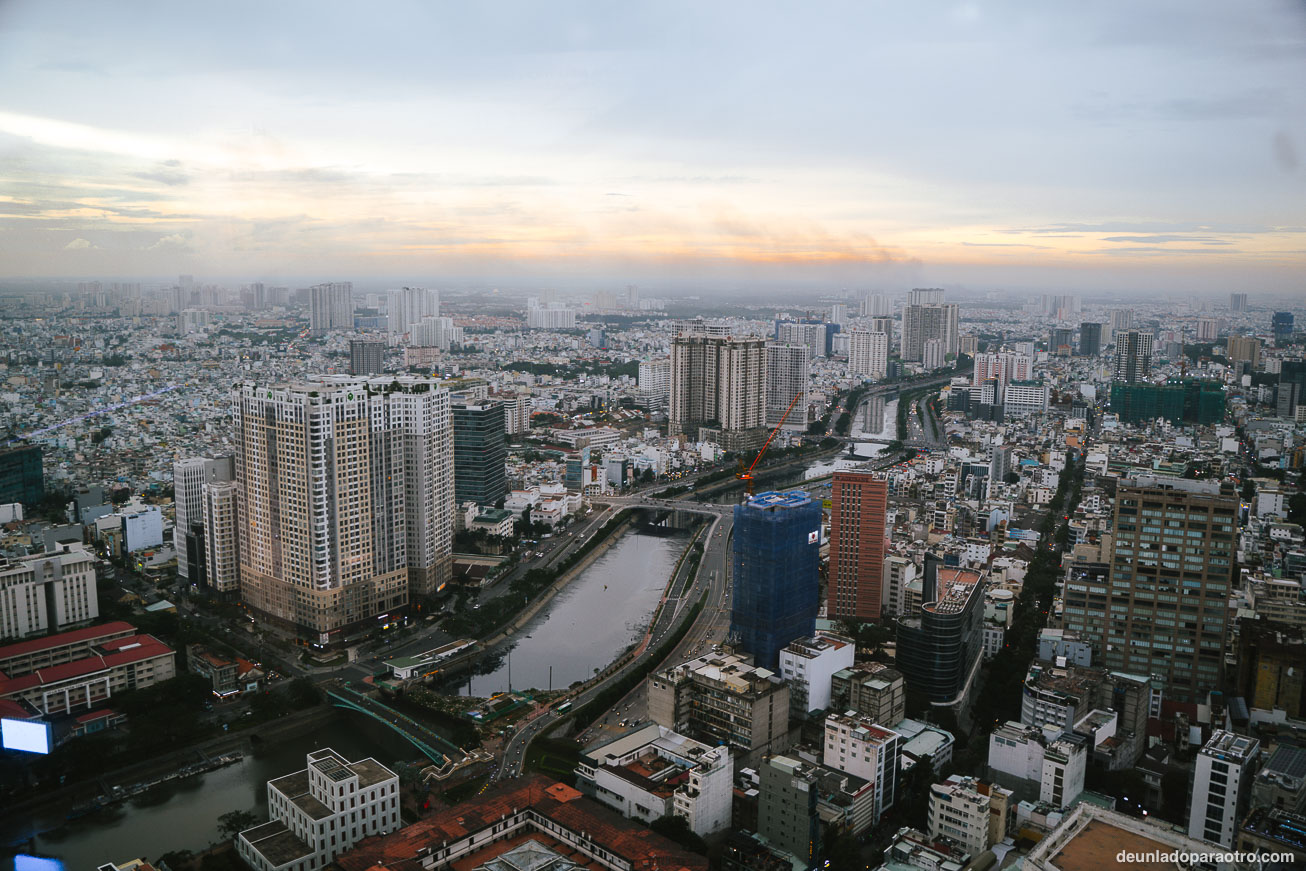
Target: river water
point(582, 629)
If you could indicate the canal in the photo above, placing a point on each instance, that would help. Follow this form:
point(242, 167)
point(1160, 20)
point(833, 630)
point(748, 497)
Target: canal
point(593, 619)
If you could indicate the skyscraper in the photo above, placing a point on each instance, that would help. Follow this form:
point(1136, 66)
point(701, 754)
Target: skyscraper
point(718, 389)
point(876, 305)
point(786, 379)
point(858, 539)
point(777, 544)
point(22, 475)
point(1282, 324)
point(868, 354)
point(927, 317)
point(480, 448)
point(655, 382)
point(188, 479)
point(1062, 337)
point(1090, 339)
point(408, 305)
point(221, 543)
point(1121, 320)
point(1164, 607)
point(1133, 356)
point(331, 307)
point(1238, 302)
point(366, 358)
point(345, 498)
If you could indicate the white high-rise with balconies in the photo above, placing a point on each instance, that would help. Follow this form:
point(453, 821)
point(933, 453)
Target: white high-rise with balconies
point(787, 367)
point(407, 306)
point(331, 307)
point(188, 479)
point(868, 354)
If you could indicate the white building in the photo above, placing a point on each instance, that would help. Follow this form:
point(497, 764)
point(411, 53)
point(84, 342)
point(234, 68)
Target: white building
point(407, 306)
point(321, 812)
point(787, 368)
point(933, 354)
point(640, 776)
point(1021, 398)
point(550, 318)
point(188, 479)
point(856, 745)
point(142, 529)
point(221, 542)
point(809, 664)
point(1040, 755)
point(1222, 785)
point(655, 382)
point(868, 353)
point(435, 332)
point(331, 307)
point(961, 812)
point(47, 593)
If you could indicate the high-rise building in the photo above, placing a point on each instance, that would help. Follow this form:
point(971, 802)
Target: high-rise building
point(1061, 338)
point(939, 641)
point(875, 305)
point(1222, 787)
point(868, 354)
point(1208, 329)
point(1244, 349)
point(1237, 302)
point(1290, 394)
point(1003, 366)
point(221, 502)
point(927, 317)
point(1121, 320)
point(1282, 325)
point(858, 745)
point(777, 544)
point(551, 317)
point(816, 335)
point(331, 307)
point(407, 306)
point(188, 479)
point(786, 383)
point(718, 389)
point(1090, 339)
point(999, 463)
point(480, 448)
point(22, 478)
point(1133, 356)
point(808, 665)
point(787, 812)
point(1178, 400)
point(366, 358)
point(858, 540)
point(346, 498)
point(655, 382)
point(1168, 585)
point(839, 314)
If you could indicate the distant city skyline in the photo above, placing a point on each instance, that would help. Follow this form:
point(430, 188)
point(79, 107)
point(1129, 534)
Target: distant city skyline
point(1098, 148)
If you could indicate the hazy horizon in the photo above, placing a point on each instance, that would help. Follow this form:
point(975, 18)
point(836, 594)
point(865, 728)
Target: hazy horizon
point(1110, 149)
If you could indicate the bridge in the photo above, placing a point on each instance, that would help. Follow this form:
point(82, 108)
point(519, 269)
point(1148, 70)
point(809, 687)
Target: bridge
point(433, 746)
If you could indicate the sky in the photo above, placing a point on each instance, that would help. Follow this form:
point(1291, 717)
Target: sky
point(1116, 146)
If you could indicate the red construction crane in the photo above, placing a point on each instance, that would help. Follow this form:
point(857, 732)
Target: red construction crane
point(747, 474)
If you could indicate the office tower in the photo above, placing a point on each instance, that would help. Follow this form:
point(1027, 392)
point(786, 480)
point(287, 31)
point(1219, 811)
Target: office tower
point(1282, 325)
point(787, 813)
point(868, 354)
point(777, 544)
point(1290, 393)
point(786, 382)
point(407, 306)
point(1168, 597)
point(927, 317)
point(480, 448)
point(718, 389)
point(1062, 337)
point(939, 641)
point(882, 324)
point(1244, 349)
point(221, 541)
point(1090, 339)
point(875, 305)
point(858, 540)
point(22, 478)
point(331, 307)
point(1133, 356)
point(346, 498)
point(839, 314)
point(188, 479)
point(655, 382)
point(1237, 302)
point(366, 358)
point(1222, 787)
point(1208, 329)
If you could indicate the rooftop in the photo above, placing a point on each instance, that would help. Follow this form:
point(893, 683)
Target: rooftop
point(76, 636)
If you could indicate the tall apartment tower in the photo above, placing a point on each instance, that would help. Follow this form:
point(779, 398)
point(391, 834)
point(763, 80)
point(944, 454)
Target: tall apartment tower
point(1133, 356)
point(366, 358)
point(1122, 319)
point(331, 307)
point(858, 542)
point(1168, 587)
point(480, 447)
point(221, 501)
point(1222, 786)
point(1244, 348)
point(1090, 339)
point(926, 316)
point(655, 382)
point(777, 547)
point(188, 479)
point(407, 306)
point(875, 305)
point(787, 368)
point(868, 353)
point(718, 389)
point(1237, 302)
point(346, 498)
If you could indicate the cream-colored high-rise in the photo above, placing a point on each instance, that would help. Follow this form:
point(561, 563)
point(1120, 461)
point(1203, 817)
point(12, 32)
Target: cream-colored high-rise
point(346, 498)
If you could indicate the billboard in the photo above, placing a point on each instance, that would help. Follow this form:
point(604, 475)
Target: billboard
point(29, 736)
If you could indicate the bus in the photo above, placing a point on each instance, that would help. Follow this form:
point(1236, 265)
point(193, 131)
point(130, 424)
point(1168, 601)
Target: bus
point(564, 707)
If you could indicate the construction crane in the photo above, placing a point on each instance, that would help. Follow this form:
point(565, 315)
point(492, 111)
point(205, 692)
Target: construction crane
point(746, 475)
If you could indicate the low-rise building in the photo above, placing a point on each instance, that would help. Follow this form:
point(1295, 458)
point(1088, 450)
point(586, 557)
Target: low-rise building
point(1281, 782)
point(1029, 757)
point(1091, 838)
point(971, 812)
point(1222, 778)
point(88, 677)
point(228, 676)
point(1274, 831)
point(46, 593)
point(856, 745)
point(321, 812)
point(872, 689)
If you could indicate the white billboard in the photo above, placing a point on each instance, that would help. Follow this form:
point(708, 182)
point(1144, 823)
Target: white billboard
point(29, 736)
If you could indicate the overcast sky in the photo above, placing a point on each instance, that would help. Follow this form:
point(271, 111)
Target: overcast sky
point(1103, 145)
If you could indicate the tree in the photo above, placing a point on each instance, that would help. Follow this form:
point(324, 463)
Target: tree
point(232, 823)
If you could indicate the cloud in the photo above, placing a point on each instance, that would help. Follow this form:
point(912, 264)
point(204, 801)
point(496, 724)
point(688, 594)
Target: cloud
point(168, 172)
point(78, 244)
point(172, 242)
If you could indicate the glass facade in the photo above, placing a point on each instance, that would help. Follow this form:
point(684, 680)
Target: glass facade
point(480, 447)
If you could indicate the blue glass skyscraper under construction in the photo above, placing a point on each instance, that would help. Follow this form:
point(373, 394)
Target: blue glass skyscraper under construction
point(776, 563)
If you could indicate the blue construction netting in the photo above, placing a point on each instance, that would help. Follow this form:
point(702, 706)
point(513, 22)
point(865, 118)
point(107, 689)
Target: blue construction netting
point(777, 542)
